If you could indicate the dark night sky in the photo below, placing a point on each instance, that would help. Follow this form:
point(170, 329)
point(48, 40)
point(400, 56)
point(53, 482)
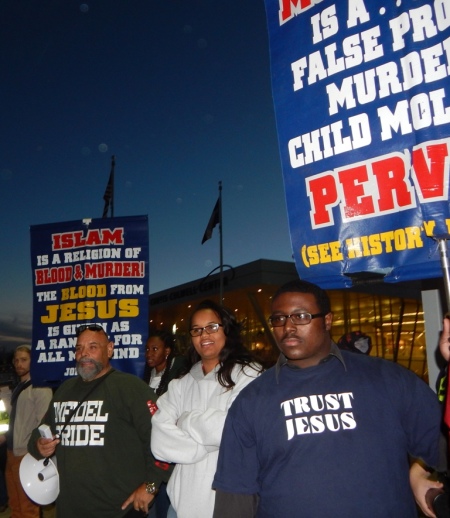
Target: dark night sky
point(178, 91)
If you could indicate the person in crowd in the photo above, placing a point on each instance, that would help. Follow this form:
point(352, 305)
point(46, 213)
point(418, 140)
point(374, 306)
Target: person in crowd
point(438, 498)
point(187, 427)
point(162, 362)
point(3, 490)
point(5, 409)
point(355, 341)
point(28, 405)
point(162, 366)
point(325, 432)
point(444, 348)
point(101, 423)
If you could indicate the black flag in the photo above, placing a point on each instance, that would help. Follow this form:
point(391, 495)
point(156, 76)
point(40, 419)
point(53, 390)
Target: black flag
point(109, 191)
point(213, 221)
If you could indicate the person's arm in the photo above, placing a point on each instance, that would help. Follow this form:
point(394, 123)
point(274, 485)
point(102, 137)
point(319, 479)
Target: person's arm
point(41, 401)
point(419, 478)
point(444, 341)
point(169, 442)
point(234, 505)
point(140, 499)
point(236, 480)
point(420, 414)
point(206, 427)
point(38, 447)
point(137, 397)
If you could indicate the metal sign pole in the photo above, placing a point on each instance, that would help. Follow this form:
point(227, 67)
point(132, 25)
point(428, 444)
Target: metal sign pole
point(445, 263)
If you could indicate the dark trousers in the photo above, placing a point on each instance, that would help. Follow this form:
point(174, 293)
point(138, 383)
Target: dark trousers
point(132, 513)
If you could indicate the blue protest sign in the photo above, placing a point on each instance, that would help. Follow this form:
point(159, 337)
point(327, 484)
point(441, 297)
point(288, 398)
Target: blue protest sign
point(89, 271)
point(362, 99)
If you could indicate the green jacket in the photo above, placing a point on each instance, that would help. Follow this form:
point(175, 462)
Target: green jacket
point(104, 454)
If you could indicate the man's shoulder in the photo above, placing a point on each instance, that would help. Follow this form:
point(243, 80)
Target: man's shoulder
point(126, 377)
point(37, 387)
point(68, 383)
point(118, 387)
point(261, 383)
point(249, 370)
point(110, 378)
point(41, 390)
point(384, 373)
point(376, 364)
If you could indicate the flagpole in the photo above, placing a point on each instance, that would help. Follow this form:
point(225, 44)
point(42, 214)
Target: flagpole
point(221, 244)
point(113, 165)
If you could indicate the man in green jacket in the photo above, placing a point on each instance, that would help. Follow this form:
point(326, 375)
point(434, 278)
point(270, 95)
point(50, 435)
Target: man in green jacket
point(102, 448)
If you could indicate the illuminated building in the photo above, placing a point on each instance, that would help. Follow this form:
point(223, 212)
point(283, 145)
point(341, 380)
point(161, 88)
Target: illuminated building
point(391, 314)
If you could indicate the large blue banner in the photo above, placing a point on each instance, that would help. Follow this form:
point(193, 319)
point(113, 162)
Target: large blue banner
point(362, 99)
point(88, 271)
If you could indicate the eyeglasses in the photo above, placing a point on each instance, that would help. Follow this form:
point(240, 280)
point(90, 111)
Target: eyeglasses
point(299, 319)
point(210, 329)
point(89, 327)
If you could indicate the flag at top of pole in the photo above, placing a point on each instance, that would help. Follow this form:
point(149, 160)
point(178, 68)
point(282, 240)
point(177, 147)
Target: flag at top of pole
point(216, 217)
point(109, 191)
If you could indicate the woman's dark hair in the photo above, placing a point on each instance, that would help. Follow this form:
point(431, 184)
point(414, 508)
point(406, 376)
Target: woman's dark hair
point(233, 352)
point(169, 342)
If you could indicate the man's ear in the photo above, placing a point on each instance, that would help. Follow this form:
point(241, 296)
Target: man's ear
point(110, 347)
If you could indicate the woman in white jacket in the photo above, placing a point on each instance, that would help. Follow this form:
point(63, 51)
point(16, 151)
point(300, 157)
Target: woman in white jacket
point(187, 428)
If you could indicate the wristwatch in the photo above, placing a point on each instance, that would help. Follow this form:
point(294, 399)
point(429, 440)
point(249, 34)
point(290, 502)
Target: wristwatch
point(150, 488)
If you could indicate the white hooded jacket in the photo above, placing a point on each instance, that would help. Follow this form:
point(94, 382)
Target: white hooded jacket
point(187, 430)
